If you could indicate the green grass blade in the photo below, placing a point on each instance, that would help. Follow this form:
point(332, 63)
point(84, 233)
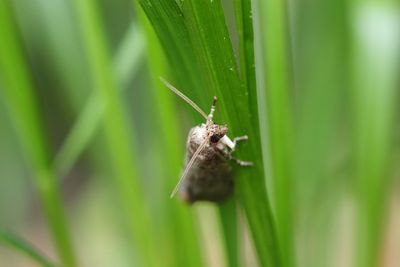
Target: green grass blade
point(275, 112)
point(19, 96)
point(375, 85)
point(179, 226)
point(126, 64)
point(244, 26)
point(320, 44)
point(117, 134)
point(244, 22)
point(211, 42)
point(129, 56)
point(168, 23)
point(17, 243)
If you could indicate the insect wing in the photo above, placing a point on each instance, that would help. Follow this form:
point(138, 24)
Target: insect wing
point(188, 166)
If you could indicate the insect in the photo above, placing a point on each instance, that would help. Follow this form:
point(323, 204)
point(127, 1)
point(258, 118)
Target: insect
point(207, 174)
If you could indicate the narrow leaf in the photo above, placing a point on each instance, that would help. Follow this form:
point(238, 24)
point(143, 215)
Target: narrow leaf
point(21, 100)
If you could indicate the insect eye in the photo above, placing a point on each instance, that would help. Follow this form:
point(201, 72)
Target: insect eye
point(215, 138)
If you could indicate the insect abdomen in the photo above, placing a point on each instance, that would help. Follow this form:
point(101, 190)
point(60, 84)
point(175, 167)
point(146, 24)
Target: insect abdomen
point(208, 180)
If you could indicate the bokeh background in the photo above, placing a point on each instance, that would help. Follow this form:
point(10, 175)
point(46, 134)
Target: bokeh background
point(91, 141)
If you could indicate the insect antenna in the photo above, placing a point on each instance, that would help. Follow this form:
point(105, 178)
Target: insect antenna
point(211, 115)
point(181, 95)
point(188, 166)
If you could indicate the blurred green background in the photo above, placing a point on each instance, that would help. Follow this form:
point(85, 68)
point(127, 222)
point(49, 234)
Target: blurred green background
point(91, 142)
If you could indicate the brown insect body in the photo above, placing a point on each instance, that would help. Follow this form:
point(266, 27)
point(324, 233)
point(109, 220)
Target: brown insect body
point(207, 174)
point(210, 177)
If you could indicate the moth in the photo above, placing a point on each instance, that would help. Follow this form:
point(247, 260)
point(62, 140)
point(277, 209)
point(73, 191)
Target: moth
point(207, 174)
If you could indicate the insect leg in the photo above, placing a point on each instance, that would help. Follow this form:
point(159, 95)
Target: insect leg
point(228, 153)
point(236, 140)
point(240, 138)
point(211, 115)
point(241, 162)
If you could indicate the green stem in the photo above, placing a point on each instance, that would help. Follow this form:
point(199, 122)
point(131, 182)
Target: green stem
point(126, 62)
point(20, 98)
point(276, 113)
point(118, 137)
point(374, 92)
